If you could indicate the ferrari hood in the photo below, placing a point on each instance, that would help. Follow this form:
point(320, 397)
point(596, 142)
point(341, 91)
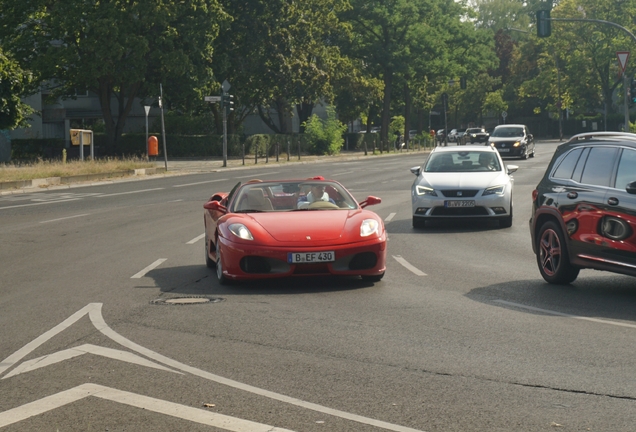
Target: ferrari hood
point(303, 225)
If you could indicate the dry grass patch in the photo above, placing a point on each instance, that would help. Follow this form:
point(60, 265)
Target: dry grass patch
point(46, 169)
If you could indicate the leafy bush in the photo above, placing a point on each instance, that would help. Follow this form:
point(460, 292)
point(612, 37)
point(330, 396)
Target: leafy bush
point(325, 136)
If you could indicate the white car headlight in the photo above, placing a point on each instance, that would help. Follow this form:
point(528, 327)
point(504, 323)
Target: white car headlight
point(517, 144)
point(241, 231)
point(499, 190)
point(423, 190)
point(368, 227)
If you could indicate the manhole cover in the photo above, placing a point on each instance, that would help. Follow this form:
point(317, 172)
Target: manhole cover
point(187, 300)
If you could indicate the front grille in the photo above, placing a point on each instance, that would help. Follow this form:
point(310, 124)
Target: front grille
point(459, 211)
point(255, 264)
point(363, 261)
point(321, 268)
point(453, 193)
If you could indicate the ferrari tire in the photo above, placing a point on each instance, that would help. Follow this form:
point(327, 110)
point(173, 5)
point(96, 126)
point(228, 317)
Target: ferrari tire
point(223, 280)
point(419, 223)
point(372, 278)
point(208, 261)
point(553, 258)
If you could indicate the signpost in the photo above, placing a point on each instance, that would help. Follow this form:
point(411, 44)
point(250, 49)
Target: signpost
point(81, 137)
point(225, 87)
point(623, 56)
point(504, 114)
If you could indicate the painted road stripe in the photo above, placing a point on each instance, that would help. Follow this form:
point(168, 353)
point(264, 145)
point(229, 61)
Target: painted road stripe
point(410, 267)
point(40, 203)
point(196, 239)
point(147, 269)
point(551, 312)
point(198, 183)
point(64, 218)
point(342, 173)
point(128, 193)
point(259, 175)
point(390, 217)
point(172, 409)
point(94, 311)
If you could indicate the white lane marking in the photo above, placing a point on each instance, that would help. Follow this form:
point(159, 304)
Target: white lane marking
point(551, 312)
point(179, 200)
point(147, 269)
point(95, 314)
point(39, 203)
point(60, 356)
point(409, 266)
point(128, 193)
point(196, 239)
point(198, 183)
point(64, 218)
point(259, 175)
point(342, 173)
point(172, 409)
point(390, 217)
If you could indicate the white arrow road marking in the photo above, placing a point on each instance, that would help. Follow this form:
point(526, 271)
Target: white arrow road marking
point(196, 239)
point(410, 267)
point(551, 312)
point(147, 269)
point(94, 312)
point(135, 400)
point(59, 356)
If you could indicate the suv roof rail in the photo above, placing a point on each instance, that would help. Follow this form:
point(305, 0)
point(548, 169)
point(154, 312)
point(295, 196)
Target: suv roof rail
point(592, 135)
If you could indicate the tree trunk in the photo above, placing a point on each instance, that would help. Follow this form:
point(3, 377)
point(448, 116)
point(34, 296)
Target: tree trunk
point(114, 124)
point(305, 108)
point(386, 109)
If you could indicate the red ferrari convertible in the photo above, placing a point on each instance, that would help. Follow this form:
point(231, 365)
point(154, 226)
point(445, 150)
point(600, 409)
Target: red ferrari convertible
point(269, 229)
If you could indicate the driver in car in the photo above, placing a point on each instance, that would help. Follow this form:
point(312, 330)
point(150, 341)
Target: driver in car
point(317, 193)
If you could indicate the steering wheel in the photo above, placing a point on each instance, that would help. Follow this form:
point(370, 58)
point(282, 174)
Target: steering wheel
point(322, 205)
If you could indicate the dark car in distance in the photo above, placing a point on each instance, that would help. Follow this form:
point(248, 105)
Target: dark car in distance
point(512, 140)
point(475, 135)
point(584, 208)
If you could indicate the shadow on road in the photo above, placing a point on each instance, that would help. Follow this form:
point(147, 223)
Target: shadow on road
point(593, 294)
point(201, 281)
point(442, 226)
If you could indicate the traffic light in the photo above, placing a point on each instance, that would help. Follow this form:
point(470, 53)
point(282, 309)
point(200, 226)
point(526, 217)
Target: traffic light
point(462, 83)
point(544, 28)
point(228, 102)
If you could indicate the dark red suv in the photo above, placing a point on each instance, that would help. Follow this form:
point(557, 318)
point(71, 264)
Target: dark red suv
point(584, 208)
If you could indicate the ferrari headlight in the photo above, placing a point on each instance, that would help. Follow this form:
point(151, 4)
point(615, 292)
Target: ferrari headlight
point(368, 227)
point(499, 190)
point(241, 231)
point(517, 144)
point(423, 190)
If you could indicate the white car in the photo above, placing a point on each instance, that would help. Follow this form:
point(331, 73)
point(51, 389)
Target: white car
point(462, 183)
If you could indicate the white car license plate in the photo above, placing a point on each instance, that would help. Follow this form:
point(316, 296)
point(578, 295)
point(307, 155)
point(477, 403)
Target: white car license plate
point(311, 257)
point(503, 150)
point(463, 203)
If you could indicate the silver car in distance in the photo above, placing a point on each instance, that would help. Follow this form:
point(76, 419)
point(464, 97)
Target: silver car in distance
point(468, 182)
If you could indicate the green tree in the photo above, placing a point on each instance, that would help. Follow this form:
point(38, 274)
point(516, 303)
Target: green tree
point(14, 83)
point(118, 50)
point(325, 136)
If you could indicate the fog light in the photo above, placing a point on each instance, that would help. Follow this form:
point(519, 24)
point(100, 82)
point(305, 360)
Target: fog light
point(498, 210)
point(421, 210)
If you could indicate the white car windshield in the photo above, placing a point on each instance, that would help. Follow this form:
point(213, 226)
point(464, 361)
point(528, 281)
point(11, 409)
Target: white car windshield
point(462, 161)
point(507, 132)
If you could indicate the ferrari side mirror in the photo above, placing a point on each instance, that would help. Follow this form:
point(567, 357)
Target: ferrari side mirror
point(215, 206)
point(371, 200)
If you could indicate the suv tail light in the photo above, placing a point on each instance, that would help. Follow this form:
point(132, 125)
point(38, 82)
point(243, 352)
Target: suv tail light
point(535, 194)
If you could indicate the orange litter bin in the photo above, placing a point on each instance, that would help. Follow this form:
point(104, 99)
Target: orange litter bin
point(153, 146)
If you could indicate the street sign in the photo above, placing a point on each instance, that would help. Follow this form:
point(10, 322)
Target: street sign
point(225, 86)
point(504, 114)
point(212, 98)
point(623, 56)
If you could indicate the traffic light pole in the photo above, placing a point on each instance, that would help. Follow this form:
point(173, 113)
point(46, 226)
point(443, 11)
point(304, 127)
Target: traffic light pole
point(626, 105)
point(224, 131)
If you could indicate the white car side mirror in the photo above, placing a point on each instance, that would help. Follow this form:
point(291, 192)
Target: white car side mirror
point(511, 168)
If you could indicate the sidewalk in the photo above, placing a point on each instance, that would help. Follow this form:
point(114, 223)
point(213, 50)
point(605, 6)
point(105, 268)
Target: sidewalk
point(181, 167)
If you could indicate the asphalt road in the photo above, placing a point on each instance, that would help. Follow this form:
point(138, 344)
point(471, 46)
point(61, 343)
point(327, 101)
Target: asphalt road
point(462, 334)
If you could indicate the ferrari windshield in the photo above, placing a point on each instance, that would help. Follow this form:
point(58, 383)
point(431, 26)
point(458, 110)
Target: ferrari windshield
point(463, 161)
point(266, 196)
point(508, 132)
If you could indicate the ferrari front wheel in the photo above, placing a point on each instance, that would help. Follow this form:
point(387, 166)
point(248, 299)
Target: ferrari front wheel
point(219, 266)
point(208, 261)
